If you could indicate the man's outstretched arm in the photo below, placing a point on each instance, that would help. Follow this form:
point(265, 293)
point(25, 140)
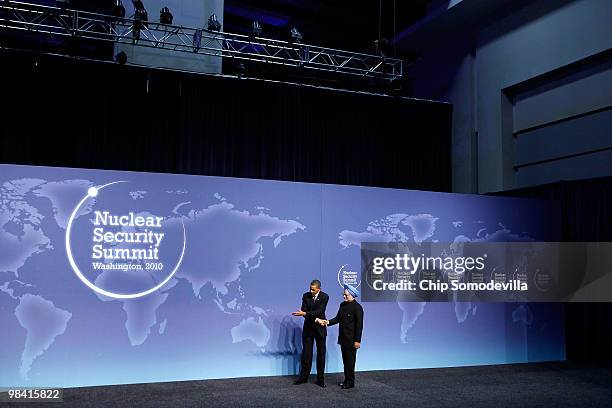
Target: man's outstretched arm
point(302, 311)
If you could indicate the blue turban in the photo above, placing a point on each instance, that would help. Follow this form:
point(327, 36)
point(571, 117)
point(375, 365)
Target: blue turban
point(352, 290)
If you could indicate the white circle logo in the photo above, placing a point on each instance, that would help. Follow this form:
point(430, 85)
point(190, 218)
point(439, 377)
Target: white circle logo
point(112, 233)
point(348, 277)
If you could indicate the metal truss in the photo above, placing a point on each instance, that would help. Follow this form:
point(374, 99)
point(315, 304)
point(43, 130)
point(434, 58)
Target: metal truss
point(65, 22)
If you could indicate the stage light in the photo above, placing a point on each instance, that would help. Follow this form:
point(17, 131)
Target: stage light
point(213, 23)
point(295, 35)
point(382, 47)
point(141, 18)
point(118, 10)
point(396, 86)
point(197, 40)
point(121, 58)
point(256, 28)
point(165, 16)
point(138, 5)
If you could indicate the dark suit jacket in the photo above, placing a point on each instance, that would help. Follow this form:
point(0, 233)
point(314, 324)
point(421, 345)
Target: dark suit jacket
point(314, 310)
point(350, 317)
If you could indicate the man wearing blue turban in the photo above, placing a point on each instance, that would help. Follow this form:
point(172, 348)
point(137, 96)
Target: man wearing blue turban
point(350, 318)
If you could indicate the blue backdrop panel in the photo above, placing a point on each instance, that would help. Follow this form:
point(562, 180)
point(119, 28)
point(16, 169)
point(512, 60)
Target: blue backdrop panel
point(419, 334)
point(251, 249)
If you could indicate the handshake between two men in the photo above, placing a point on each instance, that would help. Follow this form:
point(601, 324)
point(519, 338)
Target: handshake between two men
point(350, 319)
point(324, 322)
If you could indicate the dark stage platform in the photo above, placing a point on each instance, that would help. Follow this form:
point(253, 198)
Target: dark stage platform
point(523, 385)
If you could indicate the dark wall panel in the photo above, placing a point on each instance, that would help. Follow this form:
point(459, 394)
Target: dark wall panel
point(586, 216)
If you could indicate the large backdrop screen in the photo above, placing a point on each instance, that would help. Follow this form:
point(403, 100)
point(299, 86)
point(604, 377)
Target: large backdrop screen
point(111, 277)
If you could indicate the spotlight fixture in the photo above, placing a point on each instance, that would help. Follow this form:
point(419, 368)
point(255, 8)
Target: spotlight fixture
point(121, 58)
point(396, 86)
point(382, 47)
point(138, 6)
point(213, 23)
point(141, 18)
point(197, 40)
point(256, 28)
point(295, 36)
point(118, 10)
point(165, 16)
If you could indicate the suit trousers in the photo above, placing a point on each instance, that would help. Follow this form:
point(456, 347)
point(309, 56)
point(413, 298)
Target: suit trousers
point(349, 355)
point(307, 356)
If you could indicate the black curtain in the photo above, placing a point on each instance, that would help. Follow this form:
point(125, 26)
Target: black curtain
point(64, 112)
point(586, 207)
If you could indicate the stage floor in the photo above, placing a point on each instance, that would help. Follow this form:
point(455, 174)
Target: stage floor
point(521, 385)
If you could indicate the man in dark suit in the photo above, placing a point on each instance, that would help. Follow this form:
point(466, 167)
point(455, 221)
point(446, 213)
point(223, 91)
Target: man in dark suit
point(350, 318)
point(313, 307)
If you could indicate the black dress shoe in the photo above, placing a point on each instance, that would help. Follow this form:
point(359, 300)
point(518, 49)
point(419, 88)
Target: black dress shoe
point(346, 386)
point(300, 381)
point(321, 383)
